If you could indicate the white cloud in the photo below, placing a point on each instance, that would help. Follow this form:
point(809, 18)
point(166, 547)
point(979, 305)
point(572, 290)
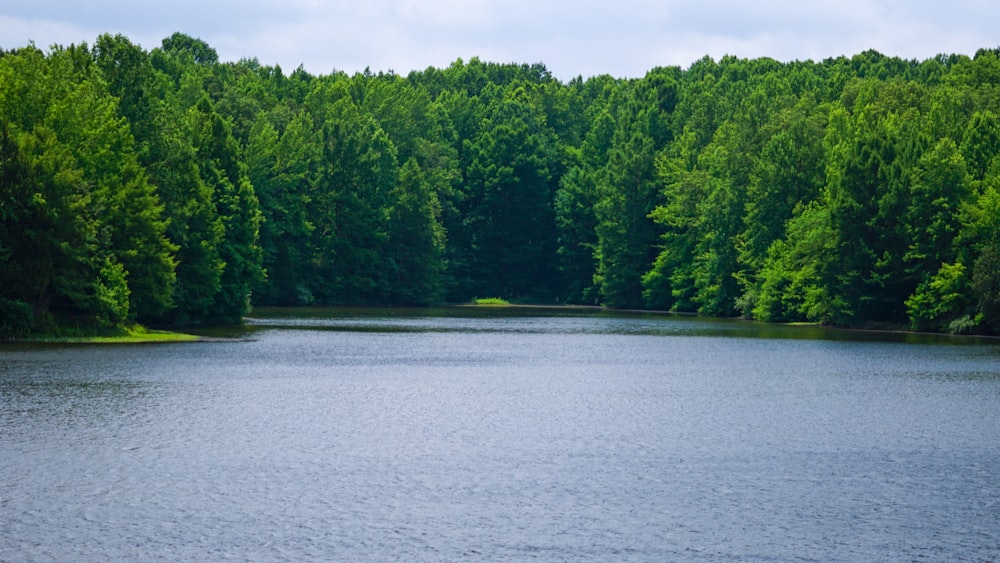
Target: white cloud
point(586, 37)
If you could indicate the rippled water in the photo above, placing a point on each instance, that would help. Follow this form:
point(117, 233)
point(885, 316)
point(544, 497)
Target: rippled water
point(448, 435)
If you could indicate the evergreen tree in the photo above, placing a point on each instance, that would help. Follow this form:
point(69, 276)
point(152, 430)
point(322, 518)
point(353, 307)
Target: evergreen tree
point(162, 186)
point(510, 184)
point(358, 173)
point(416, 240)
point(625, 232)
point(237, 207)
point(282, 170)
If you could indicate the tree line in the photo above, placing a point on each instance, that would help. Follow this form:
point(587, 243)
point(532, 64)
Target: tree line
point(170, 188)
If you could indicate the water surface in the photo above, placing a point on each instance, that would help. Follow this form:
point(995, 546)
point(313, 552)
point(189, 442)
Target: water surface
point(526, 435)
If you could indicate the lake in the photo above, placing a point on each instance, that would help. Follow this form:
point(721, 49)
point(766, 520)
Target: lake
point(500, 434)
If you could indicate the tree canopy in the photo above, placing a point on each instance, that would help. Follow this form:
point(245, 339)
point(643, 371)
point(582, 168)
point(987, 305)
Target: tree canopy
point(169, 187)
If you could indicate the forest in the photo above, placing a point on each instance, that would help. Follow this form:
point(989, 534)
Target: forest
point(169, 188)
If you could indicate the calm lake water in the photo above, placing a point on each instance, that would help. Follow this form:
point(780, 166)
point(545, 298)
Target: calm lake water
point(456, 435)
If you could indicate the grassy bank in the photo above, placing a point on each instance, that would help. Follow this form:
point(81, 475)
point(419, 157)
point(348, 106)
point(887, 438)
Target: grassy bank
point(127, 335)
point(490, 301)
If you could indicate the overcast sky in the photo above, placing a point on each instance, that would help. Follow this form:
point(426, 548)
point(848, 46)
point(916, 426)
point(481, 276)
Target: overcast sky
point(623, 38)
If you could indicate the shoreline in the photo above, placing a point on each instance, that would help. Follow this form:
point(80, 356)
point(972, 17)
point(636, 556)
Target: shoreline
point(132, 336)
point(142, 335)
point(896, 330)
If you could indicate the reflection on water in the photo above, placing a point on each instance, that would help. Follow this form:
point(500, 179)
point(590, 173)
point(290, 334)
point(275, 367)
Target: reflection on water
point(584, 320)
point(471, 435)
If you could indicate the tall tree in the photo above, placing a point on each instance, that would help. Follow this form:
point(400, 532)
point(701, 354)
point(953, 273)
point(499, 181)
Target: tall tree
point(626, 234)
point(282, 169)
point(98, 232)
point(416, 240)
point(576, 219)
point(789, 172)
point(351, 198)
point(236, 205)
point(510, 184)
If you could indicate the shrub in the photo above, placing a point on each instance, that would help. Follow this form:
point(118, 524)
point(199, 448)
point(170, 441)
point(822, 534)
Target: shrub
point(491, 301)
point(16, 319)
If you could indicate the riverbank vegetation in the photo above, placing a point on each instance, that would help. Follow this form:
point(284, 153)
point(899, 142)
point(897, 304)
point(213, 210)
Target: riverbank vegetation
point(135, 334)
point(170, 188)
point(491, 301)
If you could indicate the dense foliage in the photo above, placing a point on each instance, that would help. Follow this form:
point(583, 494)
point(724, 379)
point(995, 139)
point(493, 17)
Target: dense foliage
point(168, 187)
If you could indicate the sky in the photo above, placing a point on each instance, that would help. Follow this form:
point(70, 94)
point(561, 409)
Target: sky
point(622, 38)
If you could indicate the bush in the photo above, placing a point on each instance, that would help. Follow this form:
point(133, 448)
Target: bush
point(491, 301)
point(16, 319)
point(940, 300)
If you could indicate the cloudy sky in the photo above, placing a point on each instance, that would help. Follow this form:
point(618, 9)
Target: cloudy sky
point(624, 38)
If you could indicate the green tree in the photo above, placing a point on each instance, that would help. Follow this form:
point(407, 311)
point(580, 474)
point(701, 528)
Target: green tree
point(981, 144)
point(789, 172)
point(416, 240)
point(940, 300)
point(179, 44)
point(510, 185)
point(986, 286)
point(164, 146)
point(236, 205)
point(88, 121)
point(626, 234)
point(195, 225)
point(47, 224)
point(868, 197)
point(576, 219)
point(941, 187)
point(79, 168)
point(358, 172)
point(982, 236)
point(282, 170)
point(798, 277)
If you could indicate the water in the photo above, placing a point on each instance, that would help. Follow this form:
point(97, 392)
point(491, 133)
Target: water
point(459, 435)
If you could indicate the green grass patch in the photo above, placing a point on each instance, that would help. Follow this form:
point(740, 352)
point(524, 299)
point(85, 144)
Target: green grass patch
point(126, 335)
point(490, 301)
